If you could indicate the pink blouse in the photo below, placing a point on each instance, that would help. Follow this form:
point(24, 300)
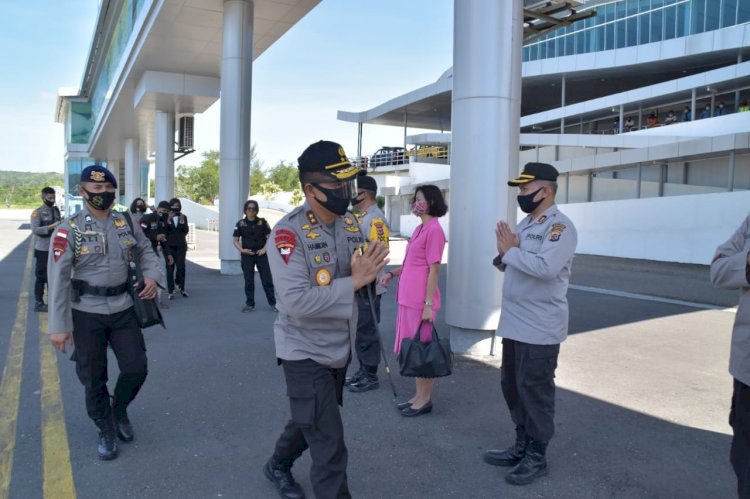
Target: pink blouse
point(424, 248)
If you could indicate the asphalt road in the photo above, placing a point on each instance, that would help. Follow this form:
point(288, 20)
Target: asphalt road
point(641, 408)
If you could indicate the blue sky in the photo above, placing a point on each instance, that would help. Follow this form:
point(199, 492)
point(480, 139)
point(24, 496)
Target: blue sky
point(344, 55)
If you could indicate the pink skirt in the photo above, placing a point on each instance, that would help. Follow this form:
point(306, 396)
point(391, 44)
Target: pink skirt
point(408, 319)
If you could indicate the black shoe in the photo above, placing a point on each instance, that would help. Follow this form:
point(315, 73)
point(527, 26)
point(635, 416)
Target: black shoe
point(367, 383)
point(355, 378)
point(532, 466)
point(40, 306)
point(184, 293)
point(403, 405)
point(107, 445)
point(124, 428)
point(507, 457)
point(284, 481)
point(410, 412)
point(248, 308)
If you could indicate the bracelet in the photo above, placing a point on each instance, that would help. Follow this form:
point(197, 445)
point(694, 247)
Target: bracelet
point(428, 303)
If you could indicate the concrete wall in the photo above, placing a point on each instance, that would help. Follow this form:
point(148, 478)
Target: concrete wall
point(683, 229)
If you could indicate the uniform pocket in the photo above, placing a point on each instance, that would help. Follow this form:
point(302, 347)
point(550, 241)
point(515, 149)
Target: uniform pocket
point(302, 404)
point(540, 364)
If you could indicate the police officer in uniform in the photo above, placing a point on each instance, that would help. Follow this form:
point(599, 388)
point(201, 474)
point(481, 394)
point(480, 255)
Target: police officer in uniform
point(250, 237)
point(536, 259)
point(90, 306)
point(318, 264)
point(43, 221)
point(374, 227)
point(154, 226)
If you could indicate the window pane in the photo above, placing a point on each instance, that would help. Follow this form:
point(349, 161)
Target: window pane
point(712, 16)
point(697, 17)
point(643, 28)
point(632, 31)
point(669, 23)
point(610, 36)
point(743, 13)
point(729, 13)
point(656, 26)
point(620, 37)
point(683, 19)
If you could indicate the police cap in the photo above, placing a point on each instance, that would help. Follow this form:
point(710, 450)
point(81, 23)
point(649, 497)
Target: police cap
point(328, 158)
point(535, 171)
point(367, 183)
point(98, 174)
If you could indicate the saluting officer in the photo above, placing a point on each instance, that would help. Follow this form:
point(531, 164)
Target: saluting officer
point(90, 306)
point(43, 221)
point(318, 264)
point(374, 227)
point(250, 237)
point(536, 259)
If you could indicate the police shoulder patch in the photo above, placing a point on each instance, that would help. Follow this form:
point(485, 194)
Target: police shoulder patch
point(59, 244)
point(323, 277)
point(286, 241)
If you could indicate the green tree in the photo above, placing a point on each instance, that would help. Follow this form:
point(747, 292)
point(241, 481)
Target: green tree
point(297, 197)
point(22, 189)
point(284, 175)
point(257, 176)
point(200, 183)
point(269, 188)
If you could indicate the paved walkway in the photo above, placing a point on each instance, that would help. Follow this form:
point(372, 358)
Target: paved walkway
point(641, 407)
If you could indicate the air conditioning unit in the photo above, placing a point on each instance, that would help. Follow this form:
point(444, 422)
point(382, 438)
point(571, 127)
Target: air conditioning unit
point(185, 134)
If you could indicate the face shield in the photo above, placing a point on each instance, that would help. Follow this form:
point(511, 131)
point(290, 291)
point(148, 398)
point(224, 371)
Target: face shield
point(338, 195)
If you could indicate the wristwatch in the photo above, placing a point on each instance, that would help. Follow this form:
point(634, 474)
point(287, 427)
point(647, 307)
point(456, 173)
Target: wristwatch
point(428, 303)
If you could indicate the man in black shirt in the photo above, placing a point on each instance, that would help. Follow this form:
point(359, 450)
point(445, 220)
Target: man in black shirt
point(249, 237)
point(177, 230)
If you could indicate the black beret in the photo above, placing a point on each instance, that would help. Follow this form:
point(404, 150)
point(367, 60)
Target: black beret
point(535, 171)
point(367, 183)
point(327, 157)
point(164, 204)
point(98, 174)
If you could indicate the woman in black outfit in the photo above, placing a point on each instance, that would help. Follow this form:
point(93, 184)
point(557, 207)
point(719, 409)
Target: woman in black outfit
point(177, 229)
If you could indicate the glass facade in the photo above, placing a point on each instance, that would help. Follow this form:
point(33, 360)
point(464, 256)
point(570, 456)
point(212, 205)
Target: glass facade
point(625, 23)
point(81, 122)
point(123, 28)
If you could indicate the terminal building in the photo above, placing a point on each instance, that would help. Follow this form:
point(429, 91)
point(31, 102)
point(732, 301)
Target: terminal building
point(641, 107)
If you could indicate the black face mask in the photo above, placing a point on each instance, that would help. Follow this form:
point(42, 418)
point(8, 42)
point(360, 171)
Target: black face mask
point(140, 209)
point(163, 216)
point(333, 203)
point(49, 203)
point(100, 200)
point(527, 202)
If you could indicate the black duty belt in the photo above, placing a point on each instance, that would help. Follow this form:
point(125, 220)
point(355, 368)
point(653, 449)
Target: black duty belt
point(85, 288)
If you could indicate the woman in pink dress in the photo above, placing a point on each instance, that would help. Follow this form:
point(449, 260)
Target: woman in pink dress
point(417, 295)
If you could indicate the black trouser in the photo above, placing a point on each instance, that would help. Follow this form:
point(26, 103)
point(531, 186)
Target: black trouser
point(249, 262)
point(367, 343)
point(178, 254)
point(41, 273)
point(91, 334)
point(528, 381)
point(739, 455)
point(315, 392)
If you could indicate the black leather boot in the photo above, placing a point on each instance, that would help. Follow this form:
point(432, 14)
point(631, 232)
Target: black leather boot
point(107, 446)
point(532, 466)
point(281, 476)
point(122, 422)
point(510, 456)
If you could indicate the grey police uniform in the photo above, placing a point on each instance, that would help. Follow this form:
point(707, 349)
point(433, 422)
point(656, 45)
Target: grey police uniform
point(374, 228)
point(534, 318)
point(729, 270)
point(314, 331)
point(88, 271)
point(41, 220)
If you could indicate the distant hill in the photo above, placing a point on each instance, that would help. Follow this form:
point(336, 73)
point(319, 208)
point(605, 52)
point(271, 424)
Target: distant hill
point(22, 189)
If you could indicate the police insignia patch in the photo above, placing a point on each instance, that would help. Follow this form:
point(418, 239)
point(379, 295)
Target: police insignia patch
point(323, 277)
point(97, 176)
point(285, 241)
point(554, 235)
point(59, 243)
point(327, 257)
point(348, 221)
point(318, 259)
point(120, 223)
point(351, 228)
point(312, 235)
point(34, 213)
point(542, 219)
point(311, 217)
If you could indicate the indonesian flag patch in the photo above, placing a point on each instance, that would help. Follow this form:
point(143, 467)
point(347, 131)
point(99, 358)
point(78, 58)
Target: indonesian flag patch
point(59, 243)
point(285, 241)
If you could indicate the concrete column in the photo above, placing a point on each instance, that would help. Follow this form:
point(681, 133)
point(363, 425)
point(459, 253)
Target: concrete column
point(236, 92)
point(486, 122)
point(132, 171)
point(164, 161)
point(113, 165)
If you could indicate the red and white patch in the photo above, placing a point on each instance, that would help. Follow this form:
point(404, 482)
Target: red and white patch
point(286, 241)
point(59, 243)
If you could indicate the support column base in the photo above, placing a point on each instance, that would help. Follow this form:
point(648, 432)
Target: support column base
point(231, 267)
point(473, 341)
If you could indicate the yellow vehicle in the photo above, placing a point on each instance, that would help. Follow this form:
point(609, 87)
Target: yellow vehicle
point(424, 151)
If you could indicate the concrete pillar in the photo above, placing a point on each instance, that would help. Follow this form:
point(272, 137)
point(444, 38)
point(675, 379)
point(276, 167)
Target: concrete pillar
point(164, 161)
point(236, 92)
point(132, 171)
point(485, 140)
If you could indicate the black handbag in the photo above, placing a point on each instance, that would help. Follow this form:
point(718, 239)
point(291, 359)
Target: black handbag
point(432, 359)
point(147, 312)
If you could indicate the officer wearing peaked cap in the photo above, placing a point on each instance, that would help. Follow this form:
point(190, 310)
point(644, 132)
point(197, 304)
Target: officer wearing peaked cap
point(317, 265)
point(89, 304)
point(536, 260)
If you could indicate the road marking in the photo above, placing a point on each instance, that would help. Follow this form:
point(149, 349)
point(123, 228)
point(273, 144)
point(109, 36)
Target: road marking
point(638, 296)
point(10, 386)
point(58, 475)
